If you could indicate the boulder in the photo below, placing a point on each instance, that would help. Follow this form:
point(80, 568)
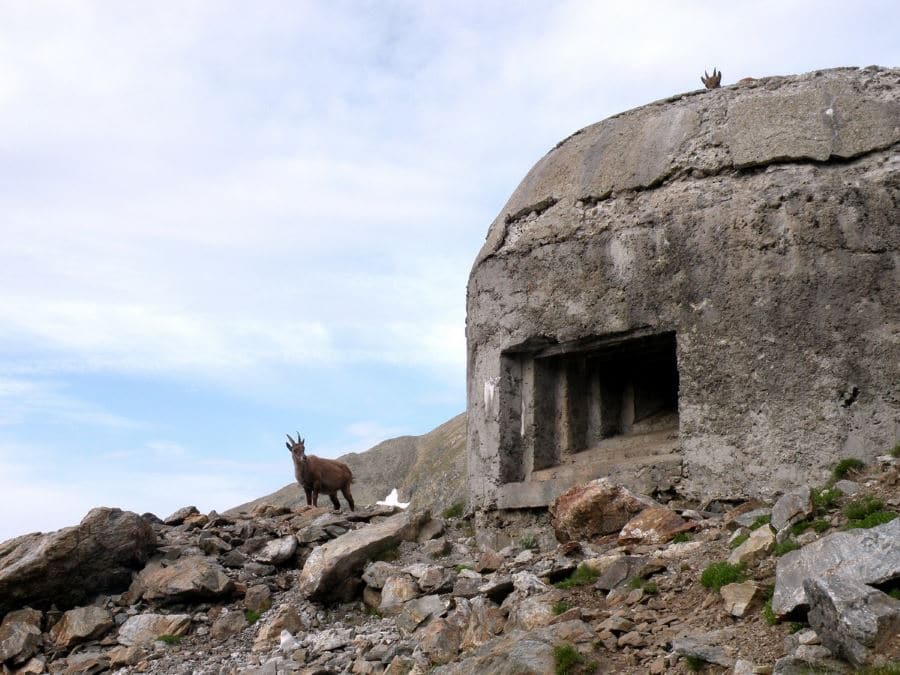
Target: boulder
point(20, 636)
point(143, 629)
point(332, 570)
point(181, 514)
point(869, 556)
point(738, 597)
point(653, 525)
point(757, 546)
point(277, 551)
point(486, 620)
point(187, 579)
point(228, 624)
point(420, 610)
point(791, 507)
point(853, 620)
point(706, 646)
point(595, 509)
point(258, 598)
point(396, 592)
point(69, 566)
point(440, 641)
point(80, 625)
point(269, 635)
point(378, 572)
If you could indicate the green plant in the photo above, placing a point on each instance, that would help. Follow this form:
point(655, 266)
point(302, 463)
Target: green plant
point(566, 658)
point(895, 451)
point(460, 568)
point(373, 611)
point(818, 525)
point(650, 588)
point(846, 467)
point(824, 499)
point(892, 668)
point(862, 507)
point(768, 613)
point(561, 607)
point(170, 639)
point(694, 663)
point(894, 593)
point(528, 541)
point(796, 626)
point(455, 510)
point(251, 615)
point(760, 521)
point(738, 540)
point(872, 519)
point(721, 574)
point(785, 546)
point(582, 576)
point(681, 538)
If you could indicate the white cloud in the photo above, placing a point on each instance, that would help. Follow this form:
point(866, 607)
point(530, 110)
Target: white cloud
point(42, 402)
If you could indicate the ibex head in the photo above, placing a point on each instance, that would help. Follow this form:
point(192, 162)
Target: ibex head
point(297, 448)
point(712, 81)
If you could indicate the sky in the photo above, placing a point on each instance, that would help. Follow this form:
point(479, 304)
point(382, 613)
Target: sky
point(222, 222)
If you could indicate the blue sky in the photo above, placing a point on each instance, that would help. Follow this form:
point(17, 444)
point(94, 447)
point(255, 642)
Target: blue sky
point(223, 222)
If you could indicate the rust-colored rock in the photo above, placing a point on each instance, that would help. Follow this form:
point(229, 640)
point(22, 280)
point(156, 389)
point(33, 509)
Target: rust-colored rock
point(595, 509)
point(655, 525)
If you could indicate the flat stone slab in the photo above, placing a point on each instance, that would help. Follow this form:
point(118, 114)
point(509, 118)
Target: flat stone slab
point(330, 565)
point(869, 556)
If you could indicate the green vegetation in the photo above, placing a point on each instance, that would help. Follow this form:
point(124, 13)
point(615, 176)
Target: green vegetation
point(785, 546)
point(892, 668)
point(582, 576)
point(895, 452)
point(251, 615)
point(867, 512)
point(818, 525)
point(649, 587)
point(388, 555)
point(694, 663)
point(561, 607)
point(759, 522)
point(455, 510)
point(824, 499)
point(738, 540)
point(170, 639)
point(721, 574)
point(528, 541)
point(768, 613)
point(460, 568)
point(373, 611)
point(846, 467)
point(681, 538)
point(894, 593)
point(566, 658)
point(797, 626)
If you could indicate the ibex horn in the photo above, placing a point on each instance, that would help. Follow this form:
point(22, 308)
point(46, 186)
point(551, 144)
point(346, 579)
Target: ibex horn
point(290, 439)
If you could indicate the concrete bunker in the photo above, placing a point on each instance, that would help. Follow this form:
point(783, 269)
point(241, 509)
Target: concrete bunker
point(697, 295)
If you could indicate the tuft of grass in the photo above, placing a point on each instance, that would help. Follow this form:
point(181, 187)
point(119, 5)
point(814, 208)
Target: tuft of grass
point(871, 520)
point(895, 593)
point(649, 587)
point(170, 639)
point(895, 451)
point(582, 576)
point(681, 538)
point(460, 568)
point(694, 663)
point(454, 511)
point(373, 611)
point(528, 541)
point(892, 668)
point(737, 541)
point(566, 658)
point(825, 499)
point(846, 467)
point(818, 525)
point(862, 507)
point(251, 615)
point(760, 521)
point(785, 546)
point(796, 626)
point(561, 607)
point(768, 613)
point(721, 574)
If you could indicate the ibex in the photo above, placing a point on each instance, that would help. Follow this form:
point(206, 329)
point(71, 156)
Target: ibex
point(316, 474)
point(712, 81)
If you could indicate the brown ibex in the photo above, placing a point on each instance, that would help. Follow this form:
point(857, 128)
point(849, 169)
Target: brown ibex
point(316, 474)
point(712, 81)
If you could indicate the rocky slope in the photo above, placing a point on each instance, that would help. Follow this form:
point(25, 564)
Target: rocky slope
point(311, 591)
point(429, 471)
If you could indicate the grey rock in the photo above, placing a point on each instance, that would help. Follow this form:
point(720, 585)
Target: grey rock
point(227, 625)
point(277, 551)
point(420, 610)
point(19, 638)
point(847, 487)
point(181, 514)
point(747, 519)
point(195, 578)
point(332, 565)
point(869, 556)
point(376, 573)
point(69, 566)
point(853, 620)
point(706, 646)
point(808, 659)
point(791, 507)
point(396, 592)
point(146, 628)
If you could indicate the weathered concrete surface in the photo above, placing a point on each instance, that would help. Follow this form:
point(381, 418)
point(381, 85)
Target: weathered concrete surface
point(68, 566)
point(863, 556)
point(756, 227)
point(331, 566)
